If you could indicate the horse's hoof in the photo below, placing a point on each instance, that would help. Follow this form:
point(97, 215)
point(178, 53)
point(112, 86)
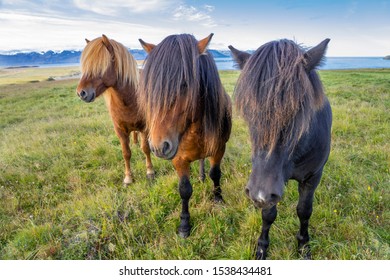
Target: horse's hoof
point(305, 252)
point(127, 181)
point(261, 255)
point(150, 176)
point(218, 199)
point(306, 255)
point(184, 233)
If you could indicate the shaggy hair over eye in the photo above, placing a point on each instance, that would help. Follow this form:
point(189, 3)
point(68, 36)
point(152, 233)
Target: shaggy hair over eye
point(277, 96)
point(96, 59)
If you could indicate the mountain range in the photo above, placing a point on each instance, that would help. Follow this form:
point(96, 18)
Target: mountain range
point(69, 57)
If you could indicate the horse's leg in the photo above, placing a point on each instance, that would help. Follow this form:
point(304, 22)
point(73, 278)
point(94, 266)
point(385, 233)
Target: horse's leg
point(126, 152)
point(135, 137)
point(146, 149)
point(202, 175)
point(304, 209)
point(185, 189)
point(268, 217)
point(215, 174)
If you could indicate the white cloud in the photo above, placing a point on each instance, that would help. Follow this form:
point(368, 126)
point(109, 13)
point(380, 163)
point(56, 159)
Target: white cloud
point(37, 32)
point(114, 7)
point(61, 24)
point(190, 13)
point(209, 8)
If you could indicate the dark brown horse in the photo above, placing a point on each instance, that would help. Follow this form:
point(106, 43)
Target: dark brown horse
point(188, 113)
point(281, 97)
point(109, 69)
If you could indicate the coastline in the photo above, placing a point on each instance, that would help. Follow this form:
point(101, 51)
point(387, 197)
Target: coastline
point(21, 67)
point(227, 63)
point(55, 72)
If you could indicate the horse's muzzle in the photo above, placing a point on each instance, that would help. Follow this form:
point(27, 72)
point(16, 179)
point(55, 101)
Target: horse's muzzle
point(263, 200)
point(87, 96)
point(166, 151)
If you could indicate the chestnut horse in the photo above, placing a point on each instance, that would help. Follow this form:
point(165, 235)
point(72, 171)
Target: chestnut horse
point(108, 69)
point(188, 113)
point(281, 98)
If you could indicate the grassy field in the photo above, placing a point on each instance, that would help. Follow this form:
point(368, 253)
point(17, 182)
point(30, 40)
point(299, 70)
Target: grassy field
point(61, 192)
point(22, 75)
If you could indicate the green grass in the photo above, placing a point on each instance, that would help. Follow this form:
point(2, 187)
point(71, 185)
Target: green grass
point(61, 193)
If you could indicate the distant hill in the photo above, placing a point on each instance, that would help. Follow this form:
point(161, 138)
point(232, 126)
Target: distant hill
point(387, 57)
point(67, 57)
point(219, 54)
point(35, 58)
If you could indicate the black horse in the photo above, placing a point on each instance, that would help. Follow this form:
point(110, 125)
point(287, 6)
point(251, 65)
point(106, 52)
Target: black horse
point(280, 96)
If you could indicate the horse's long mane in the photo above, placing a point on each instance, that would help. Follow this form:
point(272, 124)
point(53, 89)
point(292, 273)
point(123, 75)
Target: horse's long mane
point(174, 68)
point(96, 59)
point(277, 96)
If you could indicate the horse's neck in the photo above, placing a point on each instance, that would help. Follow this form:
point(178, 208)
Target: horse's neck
point(123, 107)
point(123, 96)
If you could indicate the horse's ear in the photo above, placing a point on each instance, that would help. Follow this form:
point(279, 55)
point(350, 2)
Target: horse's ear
point(202, 44)
point(146, 46)
point(239, 56)
point(87, 41)
point(108, 45)
point(314, 56)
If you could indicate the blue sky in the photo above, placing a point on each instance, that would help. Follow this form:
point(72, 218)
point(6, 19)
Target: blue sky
point(356, 28)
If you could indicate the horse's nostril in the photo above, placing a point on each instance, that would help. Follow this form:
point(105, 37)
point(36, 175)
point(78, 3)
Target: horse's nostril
point(83, 94)
point(166, 147)
point(274, 198)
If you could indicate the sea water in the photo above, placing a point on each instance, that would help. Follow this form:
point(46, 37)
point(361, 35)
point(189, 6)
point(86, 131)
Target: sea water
point(329, 63)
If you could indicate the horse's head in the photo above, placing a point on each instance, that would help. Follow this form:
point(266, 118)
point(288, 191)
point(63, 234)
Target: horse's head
point(169, 90)
point(165, 133)
point(98, 69)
